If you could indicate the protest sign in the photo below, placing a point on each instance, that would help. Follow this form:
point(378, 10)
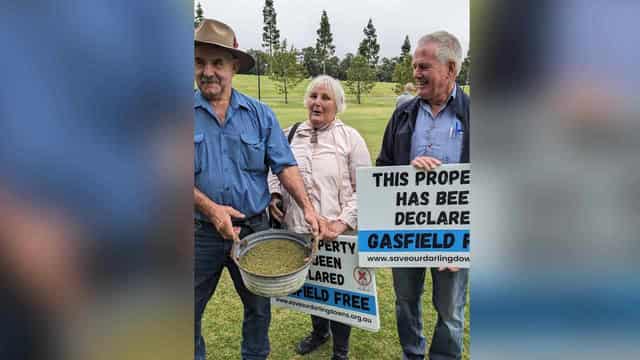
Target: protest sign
point(414, 218)
point(336, 288)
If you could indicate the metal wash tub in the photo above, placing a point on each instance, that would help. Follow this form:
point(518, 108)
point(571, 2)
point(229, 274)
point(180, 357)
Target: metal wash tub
point(275, 285)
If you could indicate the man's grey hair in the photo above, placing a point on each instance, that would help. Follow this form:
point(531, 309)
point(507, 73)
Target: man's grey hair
point(449, 48)
point(335, 89)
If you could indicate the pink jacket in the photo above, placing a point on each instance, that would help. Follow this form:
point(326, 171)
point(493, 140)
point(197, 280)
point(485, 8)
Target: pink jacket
point(328, 169)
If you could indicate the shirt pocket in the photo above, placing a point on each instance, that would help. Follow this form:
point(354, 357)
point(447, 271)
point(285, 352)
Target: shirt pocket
point(199, 153)
point(454, 147)
point(253, 153)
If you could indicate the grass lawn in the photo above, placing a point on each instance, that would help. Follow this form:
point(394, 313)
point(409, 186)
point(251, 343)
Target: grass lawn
point(222, 322)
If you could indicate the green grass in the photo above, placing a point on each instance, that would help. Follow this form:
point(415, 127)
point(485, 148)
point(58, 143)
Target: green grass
point(222, 322)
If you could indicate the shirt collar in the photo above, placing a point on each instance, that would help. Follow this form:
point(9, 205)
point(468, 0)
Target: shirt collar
point(451, 97)
point(199, 100)
point(453, 92)
point(305, 126)
point(236, 100)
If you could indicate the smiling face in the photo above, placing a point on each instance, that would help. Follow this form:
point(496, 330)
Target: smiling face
point(433, 79)
point(214, 69)
point(322, 107)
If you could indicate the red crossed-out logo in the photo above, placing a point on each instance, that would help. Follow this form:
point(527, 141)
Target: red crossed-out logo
point(362, 276)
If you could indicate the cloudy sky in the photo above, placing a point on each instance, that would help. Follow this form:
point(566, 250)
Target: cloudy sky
point(298, 21)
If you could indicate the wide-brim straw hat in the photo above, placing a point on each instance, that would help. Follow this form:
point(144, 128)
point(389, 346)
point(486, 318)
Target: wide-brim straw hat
point(214, 32)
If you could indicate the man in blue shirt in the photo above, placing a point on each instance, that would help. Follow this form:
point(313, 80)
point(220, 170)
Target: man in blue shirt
point(236, 141)
point(429, 130)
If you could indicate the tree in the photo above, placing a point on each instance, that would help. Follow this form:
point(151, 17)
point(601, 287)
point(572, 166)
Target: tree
point(262, 59)
point(385, 70)
point(333, 66)
point(270, 32)
point(344, 66)
point(324, 42)
point(464, 78)
point(403, 73)
point(360, 77)
point(405, 49)
point(285, 70)
point(199, 15)
point(369, 46)
point(403, 69)
point(310, 61)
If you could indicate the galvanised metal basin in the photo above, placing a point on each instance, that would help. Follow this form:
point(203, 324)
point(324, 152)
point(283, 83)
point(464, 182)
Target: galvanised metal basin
point(275, 285)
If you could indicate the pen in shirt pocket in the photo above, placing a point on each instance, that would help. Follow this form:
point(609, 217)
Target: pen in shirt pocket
point(455, 130)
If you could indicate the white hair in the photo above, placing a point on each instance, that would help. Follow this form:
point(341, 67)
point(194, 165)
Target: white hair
point(449, 48)
point(334, 87)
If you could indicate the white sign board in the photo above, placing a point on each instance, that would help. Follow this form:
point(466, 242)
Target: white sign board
point(336, 288)
point(414, 218)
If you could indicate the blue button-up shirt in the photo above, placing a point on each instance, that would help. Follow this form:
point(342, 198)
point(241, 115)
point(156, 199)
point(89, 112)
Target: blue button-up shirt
point(232, 161)
point(440, 136)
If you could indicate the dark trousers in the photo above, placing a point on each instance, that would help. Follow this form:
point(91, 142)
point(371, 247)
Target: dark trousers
point(449, 295)
point(211, 256)
point(339, 331)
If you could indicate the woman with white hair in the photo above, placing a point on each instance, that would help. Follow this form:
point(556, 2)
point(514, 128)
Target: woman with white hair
point(328, 153)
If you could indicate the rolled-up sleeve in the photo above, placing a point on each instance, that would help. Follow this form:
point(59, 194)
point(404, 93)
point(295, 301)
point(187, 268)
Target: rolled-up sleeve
point(359, 157)
point(279, 153)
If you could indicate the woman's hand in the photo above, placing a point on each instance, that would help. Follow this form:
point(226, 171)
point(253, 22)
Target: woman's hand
point(275, 207)
point(335, 228)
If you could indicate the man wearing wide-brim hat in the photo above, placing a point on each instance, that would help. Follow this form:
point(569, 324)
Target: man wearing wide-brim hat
point(237, 140)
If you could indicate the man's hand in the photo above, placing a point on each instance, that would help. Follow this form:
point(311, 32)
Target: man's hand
point(312, 220)
point(220, 216)
point(292, 181)
point(450, 268)
point(319, 226)
point(274, 207)
point(426, 162)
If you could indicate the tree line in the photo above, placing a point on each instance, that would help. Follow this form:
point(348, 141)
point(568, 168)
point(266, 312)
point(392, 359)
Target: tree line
point(288, 66)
